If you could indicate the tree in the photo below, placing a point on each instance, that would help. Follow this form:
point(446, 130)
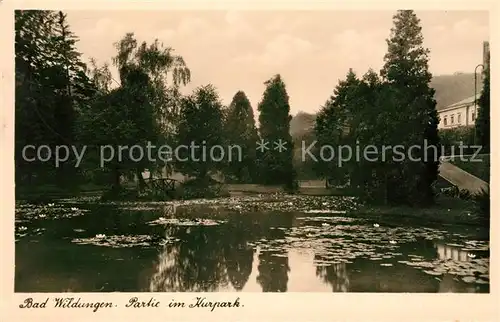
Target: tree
point(241, 131)
point(51, 87)
point(406, 71)
point(122, 117)
point(276, 167)
point(334, 127)
point(155, 65)
point(482, 126)
point(200, 129)
point(96, 125)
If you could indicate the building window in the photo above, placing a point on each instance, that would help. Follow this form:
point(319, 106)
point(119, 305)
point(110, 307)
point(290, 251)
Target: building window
point(473, 116)
point(458, 118)
point(445, 121)
point(452, 118)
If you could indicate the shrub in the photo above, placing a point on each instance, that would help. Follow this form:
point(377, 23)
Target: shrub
point(482, 201)
point(201, 188)
point(455, 136)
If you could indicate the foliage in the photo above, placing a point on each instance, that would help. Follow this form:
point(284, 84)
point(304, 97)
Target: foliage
point(140, 112)
point(482, 200)
point(482, 126)
point(276, 167)
point(451, 139)
point(201, 188)
point(406, 70)
point(240, 130)
point(200, 124)
point(60, 100)
point(398, 109)
point(51, 88)
point(477, 165)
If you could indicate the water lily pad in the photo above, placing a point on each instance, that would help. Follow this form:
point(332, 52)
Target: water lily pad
point(434, 273)
point(469, 279)
point(116, 241)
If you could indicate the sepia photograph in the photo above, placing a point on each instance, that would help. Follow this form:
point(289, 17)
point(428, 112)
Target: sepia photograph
point(251, 151)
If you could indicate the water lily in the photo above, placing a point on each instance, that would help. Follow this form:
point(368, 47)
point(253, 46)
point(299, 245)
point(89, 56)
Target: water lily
point(74, 209)
point(470, 255)
point(392, 242)
point(376, 225)
point(51, 205)
point(42, 216)
point(325, 224)
point(22, 228)
point(100, 236)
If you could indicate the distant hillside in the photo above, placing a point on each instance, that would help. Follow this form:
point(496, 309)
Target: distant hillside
point(302, 123)
point(453, 88)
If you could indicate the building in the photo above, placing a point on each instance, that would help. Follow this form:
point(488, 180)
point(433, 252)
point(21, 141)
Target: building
point(464, 112)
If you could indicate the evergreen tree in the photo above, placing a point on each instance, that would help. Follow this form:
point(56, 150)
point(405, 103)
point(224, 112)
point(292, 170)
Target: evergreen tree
point(483, 119)
point(334, 127)
point(241, 131)
point(274, 128)
point(51, 86)
point(406, 71)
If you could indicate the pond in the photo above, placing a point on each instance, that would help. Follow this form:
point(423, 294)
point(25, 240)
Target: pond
point(248, 244)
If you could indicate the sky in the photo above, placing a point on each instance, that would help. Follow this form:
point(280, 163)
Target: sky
point(312, 50)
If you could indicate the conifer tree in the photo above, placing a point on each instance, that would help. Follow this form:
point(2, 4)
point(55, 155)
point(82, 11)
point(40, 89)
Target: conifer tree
point(483, 119)
point(276, 167)
point(241, 131)
point(406, 71)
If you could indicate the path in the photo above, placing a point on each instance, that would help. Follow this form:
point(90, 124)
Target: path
point(460, 178)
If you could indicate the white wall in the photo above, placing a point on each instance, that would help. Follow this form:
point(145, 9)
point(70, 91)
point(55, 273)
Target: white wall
point(465, 112)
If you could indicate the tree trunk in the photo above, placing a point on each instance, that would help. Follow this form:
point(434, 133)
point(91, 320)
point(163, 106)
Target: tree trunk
point(116, 185)
point(140, 179)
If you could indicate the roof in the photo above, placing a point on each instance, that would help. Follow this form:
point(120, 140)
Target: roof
point(467, 101)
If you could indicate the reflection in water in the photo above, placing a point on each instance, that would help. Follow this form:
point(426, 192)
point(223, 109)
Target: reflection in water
point(273, 271)
point(194, 265)
point(205, 259)
point(238, 256)
point(273, 262)
point(334, 274)
point(449, 283)
point(248, 252)
point(452, 252)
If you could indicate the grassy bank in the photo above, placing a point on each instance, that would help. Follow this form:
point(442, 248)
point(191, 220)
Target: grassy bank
point(479, 167)
point(447, 210)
